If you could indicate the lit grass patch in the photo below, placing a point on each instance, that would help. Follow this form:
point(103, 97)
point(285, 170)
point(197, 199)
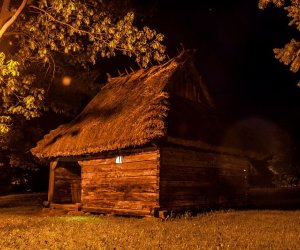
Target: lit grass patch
point(74, 219)
point(214, 230)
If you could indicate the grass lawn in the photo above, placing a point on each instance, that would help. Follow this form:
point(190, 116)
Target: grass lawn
point(28, 228)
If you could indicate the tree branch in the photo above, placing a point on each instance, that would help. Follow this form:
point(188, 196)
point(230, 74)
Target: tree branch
point(80, 31)
point(14, 16)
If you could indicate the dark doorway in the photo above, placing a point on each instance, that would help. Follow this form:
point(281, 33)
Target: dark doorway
point(67, 183)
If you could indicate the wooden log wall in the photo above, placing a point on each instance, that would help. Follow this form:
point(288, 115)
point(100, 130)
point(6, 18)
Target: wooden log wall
point(67, 183)
point(130, 187)
point(191, 179)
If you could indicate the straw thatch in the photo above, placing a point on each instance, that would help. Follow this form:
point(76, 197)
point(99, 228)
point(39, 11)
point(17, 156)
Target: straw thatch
point(129, 111)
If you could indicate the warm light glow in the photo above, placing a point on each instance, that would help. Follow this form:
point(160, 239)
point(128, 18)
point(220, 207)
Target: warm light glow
point(119, 159)
point(66, 80)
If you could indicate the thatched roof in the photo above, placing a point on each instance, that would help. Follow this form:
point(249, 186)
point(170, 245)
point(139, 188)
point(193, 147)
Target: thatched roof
point(129, 111)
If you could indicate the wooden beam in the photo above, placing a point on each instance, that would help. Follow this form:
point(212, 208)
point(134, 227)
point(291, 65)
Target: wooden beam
point(53, 165)
point(133, 212)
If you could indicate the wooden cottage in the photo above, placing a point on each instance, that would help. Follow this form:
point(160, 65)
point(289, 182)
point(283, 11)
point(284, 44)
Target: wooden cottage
point(143, 146)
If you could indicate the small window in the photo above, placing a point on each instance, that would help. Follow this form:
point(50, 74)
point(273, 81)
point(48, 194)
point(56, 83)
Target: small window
point(119, 159)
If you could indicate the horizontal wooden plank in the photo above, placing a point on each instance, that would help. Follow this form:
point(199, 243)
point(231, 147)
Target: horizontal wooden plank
point(120, 204)
point(200, 194)
point(128, 166)
point(201, 199)
point(122, 186)
point(204, 190)
point(119, 173)
point(121, 181)
point(133, 212)
point(184, 190)
point(134, 204)
point(204, 195)
point(205, 181)
point(99, 203)
point(188, 207)
point(182, 203)
point(200, 206)
point(214, 179)
point(208, 176)
point(183, 198)
point(135, 157)
point(230, 166)
point(195, 178)
point(207, 201)
point(131, 187)
point(115, 196)
point(113, 205)
point(188, 183)
point(187, 154)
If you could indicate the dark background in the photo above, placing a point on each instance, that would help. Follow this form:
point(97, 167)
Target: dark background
point(234, 42)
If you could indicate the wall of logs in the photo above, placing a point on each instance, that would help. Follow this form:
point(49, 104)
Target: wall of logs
point(172, 178)
point(129, 187)
point(191, 179)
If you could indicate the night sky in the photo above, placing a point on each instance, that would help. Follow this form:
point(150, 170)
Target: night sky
point(234, 40)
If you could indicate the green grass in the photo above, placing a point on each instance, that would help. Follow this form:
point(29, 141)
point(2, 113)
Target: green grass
point(27, 228)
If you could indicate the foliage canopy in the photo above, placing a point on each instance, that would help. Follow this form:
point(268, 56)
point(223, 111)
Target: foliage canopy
point(47, 35)
point(290, 53)
point(19, 97)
